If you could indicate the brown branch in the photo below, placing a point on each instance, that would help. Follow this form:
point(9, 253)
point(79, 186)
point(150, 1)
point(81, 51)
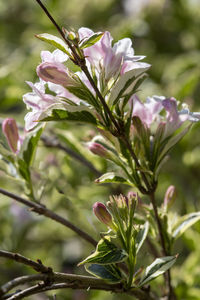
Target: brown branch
point(79, 282)
point(48, 278)
point(37, 266)
point(42, 210)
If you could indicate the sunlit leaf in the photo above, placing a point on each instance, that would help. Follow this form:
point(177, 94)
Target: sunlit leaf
point(111, 177)
point(158, 267)
point(106, 253)
point(141, 236)
point(91, 40)
point(55, 41)
point(184, 223)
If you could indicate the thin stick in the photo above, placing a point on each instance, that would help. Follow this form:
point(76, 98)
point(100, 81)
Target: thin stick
point(76, 284)
point(167, 275)
point(37, 266)
point(42, 210)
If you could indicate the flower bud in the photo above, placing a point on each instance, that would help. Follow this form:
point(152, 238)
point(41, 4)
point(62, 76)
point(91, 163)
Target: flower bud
point(170, 196)
point(10, 130)
point(98, 149)
point(54, 72)
point(102, 213)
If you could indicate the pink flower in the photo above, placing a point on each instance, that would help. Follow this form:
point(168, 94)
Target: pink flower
point(10, 130)
point(110, 59)
point(38, 101)
point(56, 56)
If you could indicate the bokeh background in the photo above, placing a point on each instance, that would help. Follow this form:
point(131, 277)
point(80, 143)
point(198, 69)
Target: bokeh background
point(167, 33)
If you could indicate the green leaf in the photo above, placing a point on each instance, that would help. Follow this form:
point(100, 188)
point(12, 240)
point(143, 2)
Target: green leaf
point(125, 84)
point(158, 267)
point(106, 272)
point(141, 236)
point(91, 40)
point(172, 141)
point(184, 223)
point(78, 113)
point(111, 177)
point(106, 253)
point(24, 170)
point(55, 41)
point(29, 145)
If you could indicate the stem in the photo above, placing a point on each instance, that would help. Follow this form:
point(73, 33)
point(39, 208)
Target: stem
point(167, 275)
point(42, 210)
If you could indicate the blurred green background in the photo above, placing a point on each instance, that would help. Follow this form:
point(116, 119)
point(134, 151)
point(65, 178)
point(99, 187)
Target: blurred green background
point(167, 33)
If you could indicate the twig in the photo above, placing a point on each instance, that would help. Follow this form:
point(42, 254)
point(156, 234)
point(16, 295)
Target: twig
point(37, 266)
point(42, 210)
point(93, 284)
point(62, 280)
point(167, 275)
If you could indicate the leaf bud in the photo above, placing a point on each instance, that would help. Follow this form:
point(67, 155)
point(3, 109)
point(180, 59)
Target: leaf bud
point(102, 213)
point(10, 130)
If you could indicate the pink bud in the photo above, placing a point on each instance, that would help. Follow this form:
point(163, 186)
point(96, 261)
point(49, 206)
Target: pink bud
point(170, 196)
point(10, 130)
point(98, 149)
point(102, 213)
point(54, 72)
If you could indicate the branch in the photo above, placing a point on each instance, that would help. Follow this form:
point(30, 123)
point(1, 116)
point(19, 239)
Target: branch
point(37, 266)
point(76, 282)
point(42, 210)
point(48, 279)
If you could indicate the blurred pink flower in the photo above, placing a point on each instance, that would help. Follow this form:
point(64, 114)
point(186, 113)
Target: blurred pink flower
point(151, 113)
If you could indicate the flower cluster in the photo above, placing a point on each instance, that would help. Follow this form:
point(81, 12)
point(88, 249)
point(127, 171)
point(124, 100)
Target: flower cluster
point(103, 93)
point(106, 64)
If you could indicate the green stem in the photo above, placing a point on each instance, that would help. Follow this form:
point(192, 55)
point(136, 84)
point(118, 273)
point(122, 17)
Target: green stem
point(167, 275)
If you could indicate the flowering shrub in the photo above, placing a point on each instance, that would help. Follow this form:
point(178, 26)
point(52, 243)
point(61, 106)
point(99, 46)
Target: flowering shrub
point(135, 136)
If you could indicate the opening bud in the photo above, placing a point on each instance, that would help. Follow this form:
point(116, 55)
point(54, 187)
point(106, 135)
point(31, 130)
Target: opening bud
point(102, 214)
point(10, 130)
point(170, 196)
point(54, 72)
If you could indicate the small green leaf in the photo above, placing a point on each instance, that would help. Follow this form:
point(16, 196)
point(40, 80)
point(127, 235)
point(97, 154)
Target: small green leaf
point(24, 170)
point(106, 272)
point(112, 178)
point(184, 223)
point(55, 41)
point(79, 113)
point(106, 253)
point(172, 141)
point(30, 144)
point(158, 267)
point(125, 84)
point(91, 40)
point(141, 236)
